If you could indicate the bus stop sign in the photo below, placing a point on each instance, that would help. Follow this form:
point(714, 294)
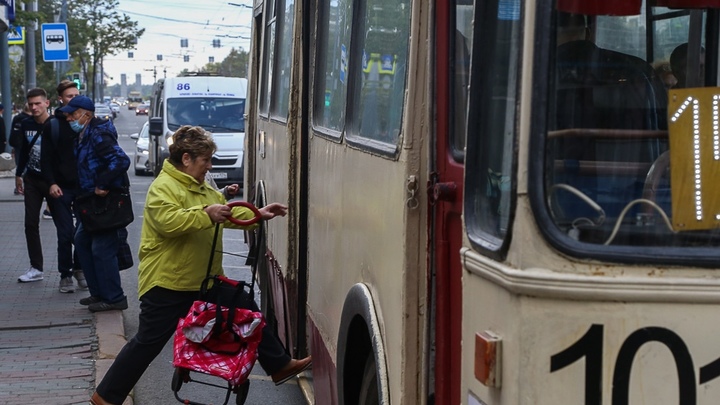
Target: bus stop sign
point(55, 42)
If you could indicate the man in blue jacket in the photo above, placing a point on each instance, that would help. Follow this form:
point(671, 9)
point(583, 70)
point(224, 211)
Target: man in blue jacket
point(102, 165)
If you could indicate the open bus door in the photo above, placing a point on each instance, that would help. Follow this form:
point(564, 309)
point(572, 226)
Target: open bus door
point(452, 66)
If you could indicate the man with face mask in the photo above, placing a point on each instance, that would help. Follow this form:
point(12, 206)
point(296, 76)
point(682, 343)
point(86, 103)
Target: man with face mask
point(102, 165)
point(59, 168)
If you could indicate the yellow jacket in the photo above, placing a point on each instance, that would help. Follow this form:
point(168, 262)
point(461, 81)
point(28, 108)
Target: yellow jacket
point(177, 235)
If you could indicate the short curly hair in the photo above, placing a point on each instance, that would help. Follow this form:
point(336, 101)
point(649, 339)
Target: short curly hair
point(192, 140)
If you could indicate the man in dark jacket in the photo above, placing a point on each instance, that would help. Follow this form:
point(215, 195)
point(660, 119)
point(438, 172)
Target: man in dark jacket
point(16, 135)
point(3, 130)
point(59, 168)
point(102, 165)
point(29, 180)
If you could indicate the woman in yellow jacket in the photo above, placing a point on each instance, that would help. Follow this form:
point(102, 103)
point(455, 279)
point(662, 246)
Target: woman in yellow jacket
point(181, 211)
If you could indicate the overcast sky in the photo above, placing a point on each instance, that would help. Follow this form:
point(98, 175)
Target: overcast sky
point(166, 22)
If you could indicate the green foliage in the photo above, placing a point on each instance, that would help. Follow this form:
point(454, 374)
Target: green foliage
point(96, 29)
point(234, 65)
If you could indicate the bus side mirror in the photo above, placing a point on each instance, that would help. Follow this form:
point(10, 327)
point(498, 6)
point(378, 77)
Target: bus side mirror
point(156, 126)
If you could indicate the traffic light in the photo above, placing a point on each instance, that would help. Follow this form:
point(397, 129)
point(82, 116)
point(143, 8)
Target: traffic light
point(76, 79)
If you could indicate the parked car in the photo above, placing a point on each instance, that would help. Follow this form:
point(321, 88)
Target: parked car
point(103, 111)
point(142, 139)
point(142, 109)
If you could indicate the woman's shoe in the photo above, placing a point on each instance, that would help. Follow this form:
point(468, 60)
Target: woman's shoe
point(97, 400)
point(293, 368)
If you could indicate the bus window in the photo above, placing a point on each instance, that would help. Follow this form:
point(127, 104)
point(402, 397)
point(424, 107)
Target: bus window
point(268, 61)
point(281, 98)
point(491, 122)
point(380, 72)
point(332, 68)
point(461, 76)
point(607, 164)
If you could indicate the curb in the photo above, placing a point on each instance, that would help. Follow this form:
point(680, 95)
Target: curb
point(110, 332)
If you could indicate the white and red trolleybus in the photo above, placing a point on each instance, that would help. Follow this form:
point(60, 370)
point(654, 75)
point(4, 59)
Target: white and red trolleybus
point(491, 202)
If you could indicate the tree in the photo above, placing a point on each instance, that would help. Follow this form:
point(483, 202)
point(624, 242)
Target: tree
point(234, 65)
point(96, 30)
point(99, 30)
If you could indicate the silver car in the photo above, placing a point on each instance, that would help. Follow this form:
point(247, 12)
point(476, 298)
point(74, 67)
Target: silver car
point(142, 139)
point(103, 111)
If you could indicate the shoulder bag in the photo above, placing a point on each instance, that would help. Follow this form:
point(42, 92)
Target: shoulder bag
point(108, 213)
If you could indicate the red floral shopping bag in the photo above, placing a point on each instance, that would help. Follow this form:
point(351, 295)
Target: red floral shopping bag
point(221, 343)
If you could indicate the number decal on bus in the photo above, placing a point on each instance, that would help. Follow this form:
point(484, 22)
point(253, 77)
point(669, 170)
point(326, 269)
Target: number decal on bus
point(183, 86)
point(590, 347)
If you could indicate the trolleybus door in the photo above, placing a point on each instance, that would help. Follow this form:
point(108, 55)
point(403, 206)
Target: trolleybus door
point(452, 63)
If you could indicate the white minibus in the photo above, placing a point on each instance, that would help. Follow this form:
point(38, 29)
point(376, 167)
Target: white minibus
point(215, 103)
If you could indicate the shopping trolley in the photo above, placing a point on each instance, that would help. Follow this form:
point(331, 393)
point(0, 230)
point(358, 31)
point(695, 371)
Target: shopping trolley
point(219, 336)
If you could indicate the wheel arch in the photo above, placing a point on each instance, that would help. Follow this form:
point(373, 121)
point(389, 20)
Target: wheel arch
point(359, 336)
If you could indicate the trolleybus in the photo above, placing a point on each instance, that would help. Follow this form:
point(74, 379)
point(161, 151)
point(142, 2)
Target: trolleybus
point(495, 202)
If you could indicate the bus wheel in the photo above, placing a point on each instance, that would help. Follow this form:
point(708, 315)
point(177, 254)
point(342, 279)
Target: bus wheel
point(369, 389)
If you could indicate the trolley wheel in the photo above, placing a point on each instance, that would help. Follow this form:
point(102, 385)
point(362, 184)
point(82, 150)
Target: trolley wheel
point(177, 380)
point(242, 392)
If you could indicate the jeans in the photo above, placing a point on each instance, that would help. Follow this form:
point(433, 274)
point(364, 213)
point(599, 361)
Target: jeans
point(98, 259)
point(36, 190)
point(61, 209)
point(160, 310)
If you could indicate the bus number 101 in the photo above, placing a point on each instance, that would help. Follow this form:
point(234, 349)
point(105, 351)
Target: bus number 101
point(590, 347)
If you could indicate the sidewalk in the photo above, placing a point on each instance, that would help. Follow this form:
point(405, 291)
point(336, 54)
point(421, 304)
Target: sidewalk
point(52, 349)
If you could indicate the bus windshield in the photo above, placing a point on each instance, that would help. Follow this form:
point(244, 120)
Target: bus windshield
point(213, 114)
point(618, 172)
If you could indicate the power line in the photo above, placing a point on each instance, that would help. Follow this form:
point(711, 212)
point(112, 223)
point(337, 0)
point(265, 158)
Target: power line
point(207, 23)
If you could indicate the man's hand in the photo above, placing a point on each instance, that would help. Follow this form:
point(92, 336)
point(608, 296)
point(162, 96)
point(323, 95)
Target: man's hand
point(55, 191)
point(232, 190)
point(101, 192)
point(19, 185)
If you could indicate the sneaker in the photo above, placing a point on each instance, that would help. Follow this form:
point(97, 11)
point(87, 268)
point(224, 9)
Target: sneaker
point(80, 277)
point(90, 300)
point(66, 285)
point(47, 214)
point(105, 306)
point(32, 274)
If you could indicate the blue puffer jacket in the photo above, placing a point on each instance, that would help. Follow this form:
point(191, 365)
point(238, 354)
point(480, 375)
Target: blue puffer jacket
point(101, 161)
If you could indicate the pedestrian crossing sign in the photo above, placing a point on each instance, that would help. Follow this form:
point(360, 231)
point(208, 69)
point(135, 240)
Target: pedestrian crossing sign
point(16, 35)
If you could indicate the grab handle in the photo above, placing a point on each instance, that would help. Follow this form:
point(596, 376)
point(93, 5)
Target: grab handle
point(245, 222)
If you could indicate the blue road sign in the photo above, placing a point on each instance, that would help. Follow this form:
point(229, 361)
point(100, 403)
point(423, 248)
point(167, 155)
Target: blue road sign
point(55, 42)
point(16, 35)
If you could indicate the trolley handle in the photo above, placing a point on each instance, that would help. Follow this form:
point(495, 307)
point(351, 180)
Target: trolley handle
point(231, 282)
point(245, 222)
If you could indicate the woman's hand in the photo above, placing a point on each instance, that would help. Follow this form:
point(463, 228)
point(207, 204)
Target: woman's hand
point(218, 213)
point(273, 210)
